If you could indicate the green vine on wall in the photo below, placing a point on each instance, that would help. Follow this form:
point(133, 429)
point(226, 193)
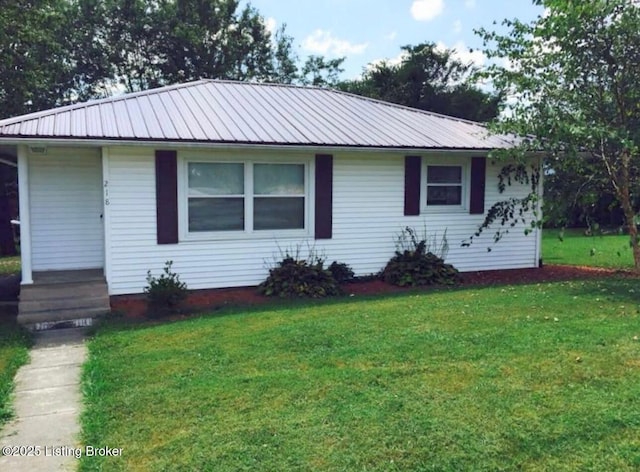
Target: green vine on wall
point(514, 210)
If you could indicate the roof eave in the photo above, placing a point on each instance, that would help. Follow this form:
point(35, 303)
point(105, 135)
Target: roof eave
point(91, 142)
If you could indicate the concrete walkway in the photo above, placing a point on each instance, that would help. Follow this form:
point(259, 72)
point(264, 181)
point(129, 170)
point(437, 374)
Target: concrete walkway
point(47, 405)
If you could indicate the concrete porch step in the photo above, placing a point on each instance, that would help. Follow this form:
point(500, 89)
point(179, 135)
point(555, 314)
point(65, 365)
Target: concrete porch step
point(63, 291)
point(59, 303)
point(56, 297)
point(60, 315)
point(67, 276)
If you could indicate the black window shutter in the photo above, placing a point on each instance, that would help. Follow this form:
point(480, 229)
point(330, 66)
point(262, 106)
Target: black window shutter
point(324, 196)
point(167, 197)
point(478, 176)
point(412, 174)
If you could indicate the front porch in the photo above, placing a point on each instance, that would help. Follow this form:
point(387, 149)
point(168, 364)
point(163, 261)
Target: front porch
point(61, 297)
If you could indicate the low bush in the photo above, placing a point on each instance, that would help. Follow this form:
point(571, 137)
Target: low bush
point(341, 272)
point(413, 265)
point(296, 277)
point(166, 293)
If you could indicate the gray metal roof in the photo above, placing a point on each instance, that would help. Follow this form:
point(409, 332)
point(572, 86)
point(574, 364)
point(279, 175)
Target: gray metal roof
point(213, 111)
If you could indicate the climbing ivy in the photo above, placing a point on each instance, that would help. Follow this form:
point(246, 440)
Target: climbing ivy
point(513, 210)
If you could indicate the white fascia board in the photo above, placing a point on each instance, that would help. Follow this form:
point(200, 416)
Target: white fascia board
point(205, 145)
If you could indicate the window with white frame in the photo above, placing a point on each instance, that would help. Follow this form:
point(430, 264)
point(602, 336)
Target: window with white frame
point(215, 196)
point(245, 196)
point(446, 185)
point(278, 196)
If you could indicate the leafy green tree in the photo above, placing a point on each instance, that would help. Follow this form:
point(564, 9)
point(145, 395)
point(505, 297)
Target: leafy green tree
point(140, 44)
point(60, 51)
point(321, 72)
point(285, 69)
point(35, 72)
point(213, 39)
point(429, 79)
point(573, 88)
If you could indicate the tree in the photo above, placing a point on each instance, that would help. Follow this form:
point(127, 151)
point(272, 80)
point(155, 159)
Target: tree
point(285, 69)
point(213, 39)
point(34, 44)
point(573, 88)
point(61, 51)
point(429, 79)
point(321, 72)
point(140, 44)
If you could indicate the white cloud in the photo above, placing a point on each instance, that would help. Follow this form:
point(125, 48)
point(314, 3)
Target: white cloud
point(391, 36)
point(323, 42)
point(462, 53)
point(270, 24)
point(457, 26)
point(470, 4)
point(426, 10)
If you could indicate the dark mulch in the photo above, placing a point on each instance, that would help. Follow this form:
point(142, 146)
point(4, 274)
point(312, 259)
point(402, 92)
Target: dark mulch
point(201, 300)
point(548, 273)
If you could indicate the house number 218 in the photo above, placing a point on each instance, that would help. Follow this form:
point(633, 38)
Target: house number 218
point(106, 192)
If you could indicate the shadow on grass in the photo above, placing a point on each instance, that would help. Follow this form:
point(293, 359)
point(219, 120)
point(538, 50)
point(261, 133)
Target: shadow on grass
point(613, 289)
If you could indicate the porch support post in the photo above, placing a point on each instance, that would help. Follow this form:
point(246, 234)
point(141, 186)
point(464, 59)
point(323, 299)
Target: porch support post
point(25, 215)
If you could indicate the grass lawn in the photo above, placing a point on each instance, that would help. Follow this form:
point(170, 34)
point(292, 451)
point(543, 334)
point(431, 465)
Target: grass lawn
point(14, 344)
point(540, 377)
point(612, 251)
point(10, 265)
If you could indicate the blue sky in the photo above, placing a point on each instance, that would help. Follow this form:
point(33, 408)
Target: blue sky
point(369, 30)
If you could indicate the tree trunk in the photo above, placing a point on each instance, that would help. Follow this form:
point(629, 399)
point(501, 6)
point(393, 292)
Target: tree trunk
point(629, 214)
point(633, 234)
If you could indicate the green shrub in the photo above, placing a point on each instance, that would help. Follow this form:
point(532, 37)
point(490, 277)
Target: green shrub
point(295, 277)
point(165, 293)
point(341, 272)
point(413, 265)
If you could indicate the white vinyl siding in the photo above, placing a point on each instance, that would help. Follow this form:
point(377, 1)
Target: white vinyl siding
point(368, 213)
point(65, 189)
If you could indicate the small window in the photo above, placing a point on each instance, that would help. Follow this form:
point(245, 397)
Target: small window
point(216, 197)
point(444, 185)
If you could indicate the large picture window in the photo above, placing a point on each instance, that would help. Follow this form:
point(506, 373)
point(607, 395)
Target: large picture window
point(246, 196)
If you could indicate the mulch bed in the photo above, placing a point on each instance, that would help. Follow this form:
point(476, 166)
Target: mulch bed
point(201, 300)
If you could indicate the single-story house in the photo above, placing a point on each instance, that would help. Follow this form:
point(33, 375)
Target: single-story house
point(222, 177)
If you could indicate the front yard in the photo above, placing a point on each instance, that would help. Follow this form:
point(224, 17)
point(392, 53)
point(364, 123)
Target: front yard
point(537, 377)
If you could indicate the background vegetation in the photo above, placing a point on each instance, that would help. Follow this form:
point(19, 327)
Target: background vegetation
point(61, 51)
